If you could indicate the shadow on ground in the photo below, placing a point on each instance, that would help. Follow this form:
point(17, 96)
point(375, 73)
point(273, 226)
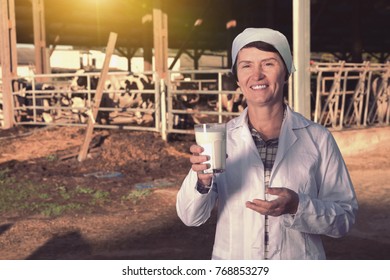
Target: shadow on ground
point(175, 241)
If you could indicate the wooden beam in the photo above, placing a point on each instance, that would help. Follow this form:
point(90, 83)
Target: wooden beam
point(55, 43)
point(192, 56)
point(301, 49)
point(147, 41)
point(183, 48)
point(8, 58)
point(160, 36)
point(197, 55)
point(98, 96)
point(176, 59)
point(42, 62)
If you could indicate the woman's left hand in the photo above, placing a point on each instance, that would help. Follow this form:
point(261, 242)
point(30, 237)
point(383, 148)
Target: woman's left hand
point(286, 203)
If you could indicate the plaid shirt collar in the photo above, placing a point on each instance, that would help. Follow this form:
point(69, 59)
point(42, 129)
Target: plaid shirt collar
point(257, 136)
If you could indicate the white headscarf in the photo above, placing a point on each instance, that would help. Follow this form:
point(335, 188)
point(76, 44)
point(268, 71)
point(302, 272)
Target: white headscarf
point(266, 35)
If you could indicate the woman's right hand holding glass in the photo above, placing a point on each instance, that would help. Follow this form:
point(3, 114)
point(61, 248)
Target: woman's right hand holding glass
point(199, 165)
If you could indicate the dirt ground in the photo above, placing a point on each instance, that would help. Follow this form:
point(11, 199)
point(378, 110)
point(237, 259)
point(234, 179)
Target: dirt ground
point(150, 228)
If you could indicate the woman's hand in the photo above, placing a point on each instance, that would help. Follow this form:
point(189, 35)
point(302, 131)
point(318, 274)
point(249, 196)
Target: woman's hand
point(286, 203)
point(198, 165)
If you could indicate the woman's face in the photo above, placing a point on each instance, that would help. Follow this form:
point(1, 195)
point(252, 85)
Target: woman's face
point(261, 76)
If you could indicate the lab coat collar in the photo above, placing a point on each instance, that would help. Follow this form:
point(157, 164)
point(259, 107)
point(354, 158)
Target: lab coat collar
point(292, 120)
point(288, 134)
point(287, 138)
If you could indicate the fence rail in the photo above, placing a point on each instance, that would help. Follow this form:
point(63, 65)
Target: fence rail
point(343, 95)
point(67, 99)
point(351, 94)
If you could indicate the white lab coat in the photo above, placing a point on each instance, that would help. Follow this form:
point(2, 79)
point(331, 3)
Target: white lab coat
point(308, 161)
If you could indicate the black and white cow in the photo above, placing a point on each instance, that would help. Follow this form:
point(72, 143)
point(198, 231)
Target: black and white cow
point(33, 100)
point(189, 99)
point(234, 102)
point(121, 92)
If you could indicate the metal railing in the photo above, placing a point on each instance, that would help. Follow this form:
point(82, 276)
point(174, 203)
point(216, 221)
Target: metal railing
point(351, 94)
point(344, 95)
point(58, 99)
point(204, 95)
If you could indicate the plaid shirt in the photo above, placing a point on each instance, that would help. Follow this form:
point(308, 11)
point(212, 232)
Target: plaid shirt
point(267, 151)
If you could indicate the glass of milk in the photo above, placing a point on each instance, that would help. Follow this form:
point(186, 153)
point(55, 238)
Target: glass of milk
point(212, 137)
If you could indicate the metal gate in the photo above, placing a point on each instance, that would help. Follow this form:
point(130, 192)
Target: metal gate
point(350, 94)
point(130, 100)
point(344, 95)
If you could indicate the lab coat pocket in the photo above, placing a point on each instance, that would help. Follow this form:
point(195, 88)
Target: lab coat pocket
point(293, 244)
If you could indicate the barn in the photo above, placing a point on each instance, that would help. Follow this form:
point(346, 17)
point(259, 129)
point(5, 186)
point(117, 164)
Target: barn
point(347, 30)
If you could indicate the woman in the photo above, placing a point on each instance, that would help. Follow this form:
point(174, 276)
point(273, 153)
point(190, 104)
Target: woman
point(285, 182)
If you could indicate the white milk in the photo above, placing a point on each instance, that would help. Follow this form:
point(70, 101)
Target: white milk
point(212, 137)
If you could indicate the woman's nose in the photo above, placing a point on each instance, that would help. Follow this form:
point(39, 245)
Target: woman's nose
point(258, 72)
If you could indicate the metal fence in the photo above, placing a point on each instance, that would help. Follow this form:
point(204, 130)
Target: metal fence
point(350, 94)
point(128, 102)
point(197, 95)
point(343, 95)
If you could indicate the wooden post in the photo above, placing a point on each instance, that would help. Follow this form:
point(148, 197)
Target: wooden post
point(8, 58)
point(164, 133)
point(147, 36)
point(42, 63)
point(160, 35)
point(301, 55)
point(98, 96)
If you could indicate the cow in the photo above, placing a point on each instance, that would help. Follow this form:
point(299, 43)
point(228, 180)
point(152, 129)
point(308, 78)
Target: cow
point(38, 109)
point(190, 100)
point(134, 96)
point(234, 102)
point(231, 102)
point(379, 102)
point(121, 92)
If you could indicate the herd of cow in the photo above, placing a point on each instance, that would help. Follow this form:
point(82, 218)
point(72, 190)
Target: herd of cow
point(128, 99)
point(134, 99)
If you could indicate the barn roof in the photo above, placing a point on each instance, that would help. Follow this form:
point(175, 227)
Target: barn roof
point(336, 25)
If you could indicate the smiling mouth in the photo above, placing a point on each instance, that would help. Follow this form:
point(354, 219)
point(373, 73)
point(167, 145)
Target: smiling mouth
point(256, 87)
